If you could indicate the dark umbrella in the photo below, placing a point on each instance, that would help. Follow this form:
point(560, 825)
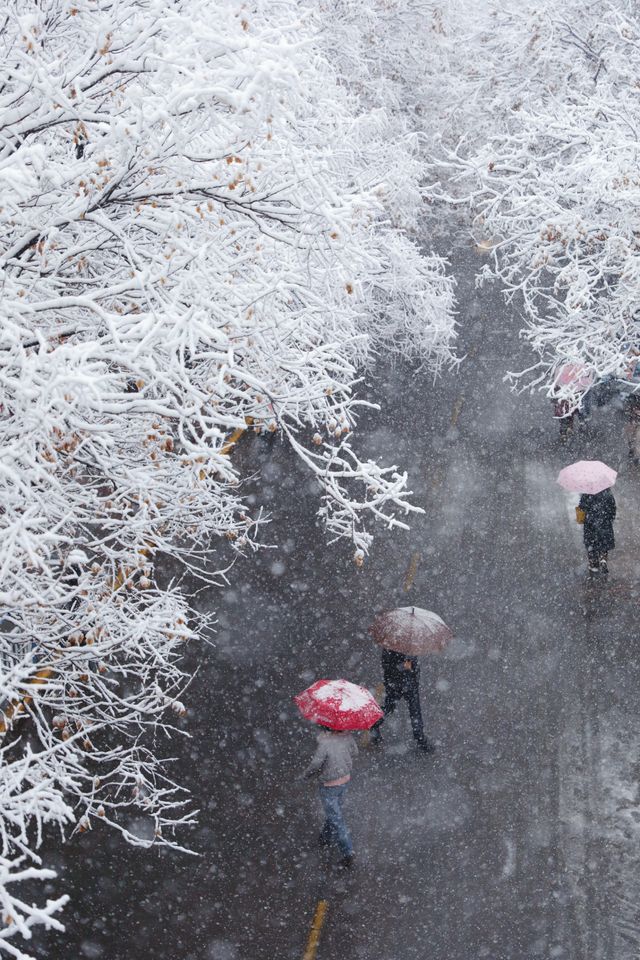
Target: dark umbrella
point(411, 630)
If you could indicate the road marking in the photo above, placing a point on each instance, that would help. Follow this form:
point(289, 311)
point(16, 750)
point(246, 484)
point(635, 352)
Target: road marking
point(232, 440)
point(457, 410)
point(510, 863)
point(438, 476)
point(316, 927)
point(485, 246)
point(410, 575)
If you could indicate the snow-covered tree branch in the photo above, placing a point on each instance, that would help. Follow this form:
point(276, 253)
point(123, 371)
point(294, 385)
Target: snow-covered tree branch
point(200, 226)
point(554, 186)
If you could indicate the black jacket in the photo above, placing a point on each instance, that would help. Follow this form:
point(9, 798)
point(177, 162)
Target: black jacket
point(600, 512)
point(396, 676)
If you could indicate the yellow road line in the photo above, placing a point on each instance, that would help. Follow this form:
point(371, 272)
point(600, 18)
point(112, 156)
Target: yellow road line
point(314, 933)
point(484, 246)
point(232, 440)
point(235, 436)
point(457, 410)
point(410, 575)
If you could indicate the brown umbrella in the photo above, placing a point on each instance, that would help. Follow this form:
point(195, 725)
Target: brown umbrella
point(411, 630)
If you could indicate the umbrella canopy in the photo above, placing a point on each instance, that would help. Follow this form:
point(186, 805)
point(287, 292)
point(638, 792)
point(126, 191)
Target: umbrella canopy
point(339, 704)
point(574, 375)
point(411, 630)
point(587, 476)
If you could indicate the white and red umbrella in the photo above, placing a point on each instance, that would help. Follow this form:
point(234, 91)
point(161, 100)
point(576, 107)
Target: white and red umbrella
point(339, 704)
point(574, 375)
point(587, 476)
point(411, 630)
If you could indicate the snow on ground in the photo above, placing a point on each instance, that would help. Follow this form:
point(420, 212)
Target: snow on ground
point(600, 815)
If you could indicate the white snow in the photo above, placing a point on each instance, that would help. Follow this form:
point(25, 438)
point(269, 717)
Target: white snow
point(348, 696)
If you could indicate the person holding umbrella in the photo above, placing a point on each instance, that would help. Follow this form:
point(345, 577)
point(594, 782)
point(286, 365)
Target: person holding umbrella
point(338, 707)
point(596, 510)
point(401, 675)
point(403, 634)
point(599, 513)
point(578, 379)
point(631, 410)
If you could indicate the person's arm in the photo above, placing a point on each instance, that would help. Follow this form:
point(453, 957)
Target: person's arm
point(317, 762)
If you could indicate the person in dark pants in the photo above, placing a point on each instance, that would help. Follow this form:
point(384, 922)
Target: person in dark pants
point(402, 682)
point(631, 410)
point(599, 514)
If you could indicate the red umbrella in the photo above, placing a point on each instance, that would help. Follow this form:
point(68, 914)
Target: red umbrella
point(574, 375)
point(411, 630)
point(338, 704)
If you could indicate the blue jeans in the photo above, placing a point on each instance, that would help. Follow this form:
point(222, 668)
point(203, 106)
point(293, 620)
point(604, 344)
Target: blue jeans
point(335, 829)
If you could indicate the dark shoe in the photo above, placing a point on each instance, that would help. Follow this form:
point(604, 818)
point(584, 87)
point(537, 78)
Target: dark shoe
point(347, 861)
point(426, 746)
point(604, 568)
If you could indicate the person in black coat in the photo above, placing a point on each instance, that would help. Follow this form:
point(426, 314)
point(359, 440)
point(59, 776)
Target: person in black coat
point(599, 514)
point(631, 411)
point(402, 682)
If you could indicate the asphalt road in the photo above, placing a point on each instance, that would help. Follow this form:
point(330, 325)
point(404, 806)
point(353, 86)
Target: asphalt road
point(518, 839)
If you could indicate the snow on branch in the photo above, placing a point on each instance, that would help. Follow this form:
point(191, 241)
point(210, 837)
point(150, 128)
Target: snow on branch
point(554, 187)
point(200, 226)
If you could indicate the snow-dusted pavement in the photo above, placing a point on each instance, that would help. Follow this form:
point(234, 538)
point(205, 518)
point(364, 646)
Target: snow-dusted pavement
point(519, 838)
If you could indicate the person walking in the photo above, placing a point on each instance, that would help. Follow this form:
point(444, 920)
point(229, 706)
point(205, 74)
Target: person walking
point(565, 412)
point(401, 675)
point(599, 511)
point(631, 410)
point(331, 764)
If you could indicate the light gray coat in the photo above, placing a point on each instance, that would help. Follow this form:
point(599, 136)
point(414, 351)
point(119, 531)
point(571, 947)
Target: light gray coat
point(334, 755)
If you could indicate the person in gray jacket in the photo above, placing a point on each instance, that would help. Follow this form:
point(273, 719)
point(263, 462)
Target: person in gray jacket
point(331, 765)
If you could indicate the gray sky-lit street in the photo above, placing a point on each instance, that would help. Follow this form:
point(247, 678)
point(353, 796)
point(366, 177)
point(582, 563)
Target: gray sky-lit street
point(517, 839)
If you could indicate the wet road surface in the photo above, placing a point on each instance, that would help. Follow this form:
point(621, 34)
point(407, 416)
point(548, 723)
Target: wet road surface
point(518, 839)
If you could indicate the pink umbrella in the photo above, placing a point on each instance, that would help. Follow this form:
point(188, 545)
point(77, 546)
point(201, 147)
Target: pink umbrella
point(574, 375)
point(411, 630)
point(587, 476)
point(339, 704)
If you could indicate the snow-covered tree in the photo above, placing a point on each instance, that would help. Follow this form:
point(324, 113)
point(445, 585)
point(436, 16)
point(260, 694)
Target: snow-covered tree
point(406, 61)
point(199, 229)
point(553, 180)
